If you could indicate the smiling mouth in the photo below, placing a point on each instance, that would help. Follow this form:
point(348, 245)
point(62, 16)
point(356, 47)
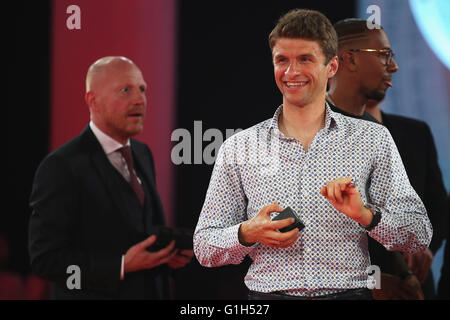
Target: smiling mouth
point(295, 84)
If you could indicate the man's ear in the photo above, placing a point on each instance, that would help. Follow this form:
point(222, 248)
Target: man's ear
point(333, 66)
point(89, 97)
point(348, 61)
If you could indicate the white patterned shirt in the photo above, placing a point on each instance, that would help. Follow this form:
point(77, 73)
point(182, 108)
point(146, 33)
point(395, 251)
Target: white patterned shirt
point(260, 165)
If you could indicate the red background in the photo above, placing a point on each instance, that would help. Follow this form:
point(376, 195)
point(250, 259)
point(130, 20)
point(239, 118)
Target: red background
point(141, 30)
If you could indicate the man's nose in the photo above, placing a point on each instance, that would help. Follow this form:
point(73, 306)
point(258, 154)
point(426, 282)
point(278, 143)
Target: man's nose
point(393, 66)
point(139, 97)
point(293, 68)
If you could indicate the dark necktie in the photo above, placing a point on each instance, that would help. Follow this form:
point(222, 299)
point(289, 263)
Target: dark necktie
point(126, 153)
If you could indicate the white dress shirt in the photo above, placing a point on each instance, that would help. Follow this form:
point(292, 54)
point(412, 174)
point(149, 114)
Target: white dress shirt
point(260, 165)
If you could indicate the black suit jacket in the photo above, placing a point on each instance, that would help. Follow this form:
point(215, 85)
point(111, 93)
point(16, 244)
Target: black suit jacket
point(444, 281)
point(418, 152)
point(81, 218)
point(366, 116)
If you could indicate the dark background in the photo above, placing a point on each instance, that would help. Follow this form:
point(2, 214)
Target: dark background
point(27, 121)
point(224, 79)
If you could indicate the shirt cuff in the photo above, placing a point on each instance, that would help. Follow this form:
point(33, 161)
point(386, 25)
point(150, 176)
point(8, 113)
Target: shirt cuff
point(249, 246)
point(122, 268)
point(237, 244)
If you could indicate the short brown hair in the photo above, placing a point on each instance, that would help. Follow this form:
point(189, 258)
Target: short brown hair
point(307, 24)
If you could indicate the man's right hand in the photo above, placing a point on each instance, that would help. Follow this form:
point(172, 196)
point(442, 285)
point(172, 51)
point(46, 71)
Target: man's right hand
point(261, 229)
point(138, 258)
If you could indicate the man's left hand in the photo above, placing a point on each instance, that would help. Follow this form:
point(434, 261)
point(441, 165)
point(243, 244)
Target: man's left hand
point(420, 263)
point(411, 286)
point(345, 197)
point(182, 258)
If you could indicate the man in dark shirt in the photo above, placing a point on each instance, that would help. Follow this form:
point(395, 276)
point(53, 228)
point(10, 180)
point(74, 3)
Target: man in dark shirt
point(444, 282)
point(426, 178)
point(365, 74)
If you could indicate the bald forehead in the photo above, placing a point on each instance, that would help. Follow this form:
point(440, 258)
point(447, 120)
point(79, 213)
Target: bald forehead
point(104, 66)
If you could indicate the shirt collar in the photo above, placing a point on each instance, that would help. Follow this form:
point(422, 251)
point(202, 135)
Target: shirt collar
point(108, 144)
point(332, 119)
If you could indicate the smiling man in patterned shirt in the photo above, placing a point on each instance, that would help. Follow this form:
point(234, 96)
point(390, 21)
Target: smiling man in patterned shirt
point(343, 176)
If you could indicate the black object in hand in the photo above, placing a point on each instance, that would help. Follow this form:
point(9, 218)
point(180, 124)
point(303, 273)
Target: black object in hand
point(289, 213)
point(164, 235)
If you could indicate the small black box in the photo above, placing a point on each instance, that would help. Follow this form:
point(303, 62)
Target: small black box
point(164, 235)
point(289, 213)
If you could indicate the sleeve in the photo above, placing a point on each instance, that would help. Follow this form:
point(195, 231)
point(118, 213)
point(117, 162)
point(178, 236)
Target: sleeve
point(216, 240)
point(55, 228)
point(404, 224)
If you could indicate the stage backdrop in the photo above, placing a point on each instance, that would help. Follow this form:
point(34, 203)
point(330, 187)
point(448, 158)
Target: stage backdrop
point(141, 30)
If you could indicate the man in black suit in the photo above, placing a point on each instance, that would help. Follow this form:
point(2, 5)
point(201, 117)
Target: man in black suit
point(364, 75)
point(410, 136)
point(95, 201)
point(444, 281)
